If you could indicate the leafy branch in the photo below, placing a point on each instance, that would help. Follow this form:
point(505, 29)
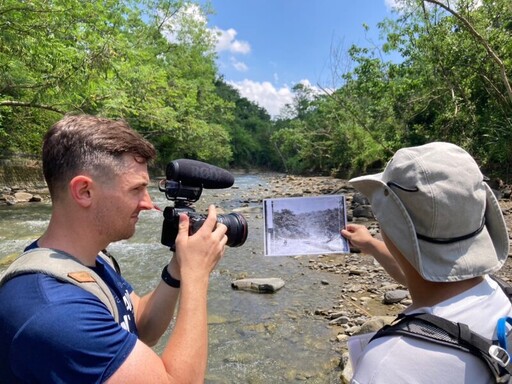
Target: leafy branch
point(494, 56)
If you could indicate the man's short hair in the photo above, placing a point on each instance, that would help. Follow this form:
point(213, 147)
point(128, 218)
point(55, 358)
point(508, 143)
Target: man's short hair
point(90, 144)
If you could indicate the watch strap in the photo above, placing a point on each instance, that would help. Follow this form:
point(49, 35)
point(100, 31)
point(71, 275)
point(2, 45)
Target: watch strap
point(169, 280)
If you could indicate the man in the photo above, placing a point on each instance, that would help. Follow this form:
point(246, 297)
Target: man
point(56, 332)
point(443, 233)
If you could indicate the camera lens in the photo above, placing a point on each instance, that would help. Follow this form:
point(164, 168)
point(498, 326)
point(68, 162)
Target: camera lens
point(237, 228)
point(236, 223)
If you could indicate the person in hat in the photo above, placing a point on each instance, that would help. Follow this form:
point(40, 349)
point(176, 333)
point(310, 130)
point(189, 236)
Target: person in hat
point(443, 233)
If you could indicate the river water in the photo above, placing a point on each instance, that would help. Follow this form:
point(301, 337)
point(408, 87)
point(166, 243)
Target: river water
point(253, 338)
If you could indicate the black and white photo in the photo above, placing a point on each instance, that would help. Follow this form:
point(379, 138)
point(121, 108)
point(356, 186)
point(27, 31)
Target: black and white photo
point(305, 225)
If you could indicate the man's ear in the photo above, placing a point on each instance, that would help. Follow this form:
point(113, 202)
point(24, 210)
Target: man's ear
point(80, 189)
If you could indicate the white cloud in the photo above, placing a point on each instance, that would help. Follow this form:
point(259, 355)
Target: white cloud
point(267, 96)
point(226, 41)
point(189, 13)
point(238, 65)
point(264, 94)
point(393, 4)
point(315, 90)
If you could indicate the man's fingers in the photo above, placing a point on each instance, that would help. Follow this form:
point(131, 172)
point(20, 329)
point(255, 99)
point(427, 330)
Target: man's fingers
point(211, 219)
point(183, 223)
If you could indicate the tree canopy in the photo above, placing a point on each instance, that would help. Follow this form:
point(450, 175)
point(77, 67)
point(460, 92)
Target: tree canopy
point(152, 63)
point(452, 83)
point(143, 61)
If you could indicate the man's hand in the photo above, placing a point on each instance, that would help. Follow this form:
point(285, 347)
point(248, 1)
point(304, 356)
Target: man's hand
point(197, 255)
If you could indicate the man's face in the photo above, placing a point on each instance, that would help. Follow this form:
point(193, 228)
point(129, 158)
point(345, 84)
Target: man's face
point(121, 200)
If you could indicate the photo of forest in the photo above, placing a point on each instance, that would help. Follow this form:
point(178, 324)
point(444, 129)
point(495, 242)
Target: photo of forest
point(305, 225)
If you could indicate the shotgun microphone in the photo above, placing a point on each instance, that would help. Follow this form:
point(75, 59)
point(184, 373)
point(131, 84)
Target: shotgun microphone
point(197, 173)
point(184, 184)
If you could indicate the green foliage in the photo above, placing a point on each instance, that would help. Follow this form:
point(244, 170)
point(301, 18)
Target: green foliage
point(452, 83)
point(459, 94)
point(250, 129)
point(143, 61)
point(152, 63)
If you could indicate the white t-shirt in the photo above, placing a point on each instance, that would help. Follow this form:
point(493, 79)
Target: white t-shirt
point(397, 359)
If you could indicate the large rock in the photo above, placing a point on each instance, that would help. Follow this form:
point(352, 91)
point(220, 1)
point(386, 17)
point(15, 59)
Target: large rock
point(23, 197)
point(363, 211)
point(259, 285)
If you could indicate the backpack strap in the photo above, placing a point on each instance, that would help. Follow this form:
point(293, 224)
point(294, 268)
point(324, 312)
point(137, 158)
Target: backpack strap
point(506, 287)
point(456, 335)
point(110, 260)
point(64, 267)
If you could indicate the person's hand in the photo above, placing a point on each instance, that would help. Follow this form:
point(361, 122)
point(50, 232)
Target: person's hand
point(197, 255)
point(359, 236)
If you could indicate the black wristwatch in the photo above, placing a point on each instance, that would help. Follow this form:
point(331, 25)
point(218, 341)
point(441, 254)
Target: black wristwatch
point(169, 280)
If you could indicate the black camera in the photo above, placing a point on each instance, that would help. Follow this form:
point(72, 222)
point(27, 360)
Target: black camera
point(184, 183)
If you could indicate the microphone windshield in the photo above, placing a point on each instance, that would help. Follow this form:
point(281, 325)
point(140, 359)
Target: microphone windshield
point(197, 173)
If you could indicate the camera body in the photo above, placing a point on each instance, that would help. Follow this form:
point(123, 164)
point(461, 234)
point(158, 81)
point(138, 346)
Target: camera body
point(184, 183)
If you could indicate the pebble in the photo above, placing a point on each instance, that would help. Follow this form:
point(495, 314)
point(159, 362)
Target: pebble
point(392, 297)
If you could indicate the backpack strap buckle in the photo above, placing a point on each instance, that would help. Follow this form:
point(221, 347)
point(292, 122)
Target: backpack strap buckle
point(500, 355)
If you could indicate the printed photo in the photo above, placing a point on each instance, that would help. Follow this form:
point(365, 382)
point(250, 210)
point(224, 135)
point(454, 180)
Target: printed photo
point(305, 225)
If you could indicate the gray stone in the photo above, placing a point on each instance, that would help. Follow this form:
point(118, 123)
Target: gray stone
point(346, 366)
point(259, 285)
point(363, 211)
point(10, 200)
point(360, 199)
point(375, 323)
point(23, 197)
point(36, 199)
point(340, 320)
point(395, 296)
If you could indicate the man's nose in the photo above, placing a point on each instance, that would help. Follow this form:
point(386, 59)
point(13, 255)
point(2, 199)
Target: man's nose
point(146, 202)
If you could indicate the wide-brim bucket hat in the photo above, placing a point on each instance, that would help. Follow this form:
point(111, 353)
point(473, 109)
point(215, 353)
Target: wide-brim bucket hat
point(432, 202)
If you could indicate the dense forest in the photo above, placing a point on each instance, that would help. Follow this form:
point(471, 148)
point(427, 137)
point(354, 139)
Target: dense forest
point(147, 62)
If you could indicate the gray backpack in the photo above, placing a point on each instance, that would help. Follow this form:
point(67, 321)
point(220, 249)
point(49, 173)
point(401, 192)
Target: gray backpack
point(436, 329)
point(64, 267)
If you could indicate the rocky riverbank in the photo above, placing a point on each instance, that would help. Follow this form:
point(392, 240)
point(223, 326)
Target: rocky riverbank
point(18, 195)
point(370, 298)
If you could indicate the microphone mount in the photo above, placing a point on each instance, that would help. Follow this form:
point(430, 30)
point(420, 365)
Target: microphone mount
point(178, 192)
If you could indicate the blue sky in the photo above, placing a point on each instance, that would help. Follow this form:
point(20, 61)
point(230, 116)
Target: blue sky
point(265, 47)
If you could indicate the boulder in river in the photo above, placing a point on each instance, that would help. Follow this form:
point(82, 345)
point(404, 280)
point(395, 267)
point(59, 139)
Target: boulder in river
point(259, 285)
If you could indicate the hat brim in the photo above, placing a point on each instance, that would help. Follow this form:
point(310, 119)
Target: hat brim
point(479, 255)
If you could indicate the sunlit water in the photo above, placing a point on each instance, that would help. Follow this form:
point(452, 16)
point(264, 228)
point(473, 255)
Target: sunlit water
point(253, 338)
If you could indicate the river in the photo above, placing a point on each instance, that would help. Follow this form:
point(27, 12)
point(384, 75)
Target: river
point(253, 338)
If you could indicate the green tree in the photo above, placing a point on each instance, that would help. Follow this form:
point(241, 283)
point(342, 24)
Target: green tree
point(250, 129)
point(451, 84)
point(150, 62)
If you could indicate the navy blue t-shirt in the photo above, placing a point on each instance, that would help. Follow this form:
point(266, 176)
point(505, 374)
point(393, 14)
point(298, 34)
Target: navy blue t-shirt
point(56, 332)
